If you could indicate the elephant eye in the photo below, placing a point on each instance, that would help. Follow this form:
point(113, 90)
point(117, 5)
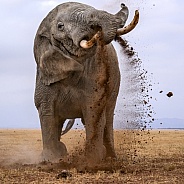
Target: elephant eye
point(60, 26)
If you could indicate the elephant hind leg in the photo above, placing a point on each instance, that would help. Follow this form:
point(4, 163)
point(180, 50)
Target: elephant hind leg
point(109, 142)
point(60, 127)
point(69, 125)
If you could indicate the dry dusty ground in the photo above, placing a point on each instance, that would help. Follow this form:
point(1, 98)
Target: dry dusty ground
point(143, 157)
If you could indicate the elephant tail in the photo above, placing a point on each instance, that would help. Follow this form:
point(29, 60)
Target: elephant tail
point(68, 126)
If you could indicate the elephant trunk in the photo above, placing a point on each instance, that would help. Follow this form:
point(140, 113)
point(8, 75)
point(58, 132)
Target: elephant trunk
point(120, 31)
point(93, 21)
point(105, 22)
point(109, 27)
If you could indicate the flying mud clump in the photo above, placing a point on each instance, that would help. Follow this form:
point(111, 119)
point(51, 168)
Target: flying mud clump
point(170, 94)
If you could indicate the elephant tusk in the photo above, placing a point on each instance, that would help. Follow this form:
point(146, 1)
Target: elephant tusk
point(131, 26)
point(88, 44)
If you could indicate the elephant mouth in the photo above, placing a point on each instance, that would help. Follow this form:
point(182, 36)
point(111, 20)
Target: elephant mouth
point(69, 48)
point(64, 49)
point(90, 43)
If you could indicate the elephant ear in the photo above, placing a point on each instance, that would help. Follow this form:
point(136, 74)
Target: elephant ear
point(42, 39)
point(55, 66)
point(52, 63)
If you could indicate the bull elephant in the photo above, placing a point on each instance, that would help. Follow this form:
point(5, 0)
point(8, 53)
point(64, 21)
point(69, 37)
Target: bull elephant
point(78, 76)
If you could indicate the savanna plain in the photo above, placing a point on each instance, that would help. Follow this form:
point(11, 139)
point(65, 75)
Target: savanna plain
point(149, 156)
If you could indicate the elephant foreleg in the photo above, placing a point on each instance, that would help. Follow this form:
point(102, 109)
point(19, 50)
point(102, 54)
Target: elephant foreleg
point(94, 124)
point(53, 149)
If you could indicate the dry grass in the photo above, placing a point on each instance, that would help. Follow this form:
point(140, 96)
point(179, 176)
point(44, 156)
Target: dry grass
point(143, 157)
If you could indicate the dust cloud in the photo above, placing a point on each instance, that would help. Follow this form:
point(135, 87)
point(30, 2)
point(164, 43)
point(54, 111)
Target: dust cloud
point(22, 155)
point(134, 109)
point(20, 147)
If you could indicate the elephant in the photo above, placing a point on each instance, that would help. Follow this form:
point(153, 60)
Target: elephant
point(78, 76)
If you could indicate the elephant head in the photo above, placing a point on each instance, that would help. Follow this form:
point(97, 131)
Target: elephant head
point(68, 33)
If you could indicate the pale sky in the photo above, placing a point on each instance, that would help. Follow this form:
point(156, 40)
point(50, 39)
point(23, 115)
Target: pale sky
point(158, 39)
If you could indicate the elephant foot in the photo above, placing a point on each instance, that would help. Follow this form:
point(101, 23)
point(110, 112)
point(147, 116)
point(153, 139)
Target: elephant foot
point(54, 154)
point(111, 154)
point(95, 156)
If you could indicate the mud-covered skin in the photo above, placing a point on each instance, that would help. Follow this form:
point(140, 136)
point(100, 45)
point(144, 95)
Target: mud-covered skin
point(73, 82)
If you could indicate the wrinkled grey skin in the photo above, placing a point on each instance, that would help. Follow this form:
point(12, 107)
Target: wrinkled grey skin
point(73, 82)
